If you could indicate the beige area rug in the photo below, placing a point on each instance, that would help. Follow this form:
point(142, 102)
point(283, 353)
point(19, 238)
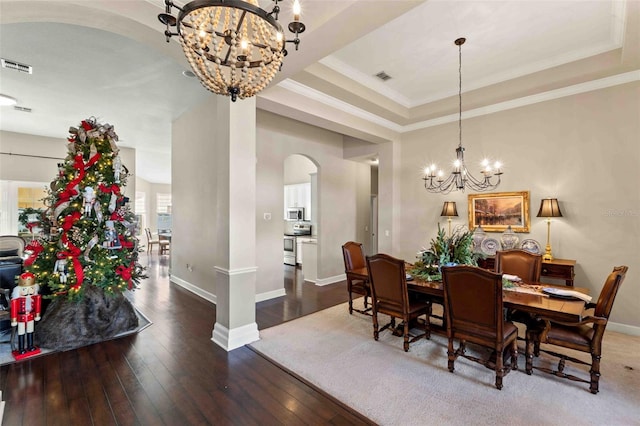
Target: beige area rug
point(336, 352)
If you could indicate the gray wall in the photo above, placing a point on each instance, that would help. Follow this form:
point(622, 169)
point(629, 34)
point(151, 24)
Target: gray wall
point(342, 185)
point(583, 149)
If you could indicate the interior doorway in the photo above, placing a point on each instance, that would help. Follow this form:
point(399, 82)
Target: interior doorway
point(301, 214)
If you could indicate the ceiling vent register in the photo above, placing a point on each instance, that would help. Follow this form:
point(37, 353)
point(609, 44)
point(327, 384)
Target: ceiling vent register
point(13, 65)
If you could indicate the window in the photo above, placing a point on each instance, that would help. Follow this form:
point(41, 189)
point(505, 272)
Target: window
point(163, 203)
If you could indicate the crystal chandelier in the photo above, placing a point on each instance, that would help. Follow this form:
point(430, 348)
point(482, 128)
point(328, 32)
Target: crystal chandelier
point(233, 46)
point(460, 178)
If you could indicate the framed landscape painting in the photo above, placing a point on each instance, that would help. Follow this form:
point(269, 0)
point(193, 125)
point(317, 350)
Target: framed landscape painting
point(495, 211)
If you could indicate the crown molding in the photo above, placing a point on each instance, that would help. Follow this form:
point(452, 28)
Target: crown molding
point(576, 89)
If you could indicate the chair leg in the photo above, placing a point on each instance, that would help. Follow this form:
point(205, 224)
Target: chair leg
point(451, 355)
point(595, 373)
point(499, 368)
point(406, 335)
point(514, 355)
point(375, 325)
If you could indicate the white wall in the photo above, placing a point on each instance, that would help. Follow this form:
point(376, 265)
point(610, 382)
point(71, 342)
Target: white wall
point(582, 149)
point(194, 239)
point(297, 169)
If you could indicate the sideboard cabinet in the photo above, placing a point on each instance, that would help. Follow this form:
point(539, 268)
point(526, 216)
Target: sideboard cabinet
point(557, 268)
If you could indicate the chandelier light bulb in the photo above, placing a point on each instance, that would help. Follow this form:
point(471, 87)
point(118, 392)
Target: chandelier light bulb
point(296, 10)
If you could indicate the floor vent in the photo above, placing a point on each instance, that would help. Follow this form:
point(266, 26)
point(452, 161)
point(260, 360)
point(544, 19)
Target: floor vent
point(383, 76)
point(23, 109)
point(13, 65)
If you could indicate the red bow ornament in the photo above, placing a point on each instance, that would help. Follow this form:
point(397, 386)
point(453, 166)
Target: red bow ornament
point(125, 273)
point(35, 248)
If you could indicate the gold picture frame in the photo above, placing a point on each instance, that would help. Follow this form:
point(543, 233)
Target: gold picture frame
point(496, 211)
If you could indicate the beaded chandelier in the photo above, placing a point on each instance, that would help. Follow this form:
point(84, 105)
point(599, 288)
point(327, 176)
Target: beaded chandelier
point(234, 47)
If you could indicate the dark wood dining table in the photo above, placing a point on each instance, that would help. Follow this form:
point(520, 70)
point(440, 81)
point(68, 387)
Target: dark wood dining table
point(540, 305)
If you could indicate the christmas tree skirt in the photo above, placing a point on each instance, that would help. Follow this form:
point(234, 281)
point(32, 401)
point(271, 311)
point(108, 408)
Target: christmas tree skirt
point(5, 346)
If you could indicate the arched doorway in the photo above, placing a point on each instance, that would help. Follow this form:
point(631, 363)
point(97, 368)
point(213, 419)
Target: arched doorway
point(301, 214)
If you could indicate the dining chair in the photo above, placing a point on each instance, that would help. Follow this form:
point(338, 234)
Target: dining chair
point(165, 246)
point(524, 264)
point(474, 312)
point(354, 259)
point(584, 336)
point(390, 295)
point(150, 241)
point(527, 266)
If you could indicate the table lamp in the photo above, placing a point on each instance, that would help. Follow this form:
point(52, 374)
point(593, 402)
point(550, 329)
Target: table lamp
point(449, 210)
point(549, 208)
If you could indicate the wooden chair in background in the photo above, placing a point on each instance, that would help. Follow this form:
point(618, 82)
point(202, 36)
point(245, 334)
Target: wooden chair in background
point(390, 296)
point(354, 259)
point(150, 241)
point(584, 336)
point(474, 313)
point(526, 265)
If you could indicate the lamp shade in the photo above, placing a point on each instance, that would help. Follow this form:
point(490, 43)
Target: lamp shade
point(449, 209)
point(549, 208)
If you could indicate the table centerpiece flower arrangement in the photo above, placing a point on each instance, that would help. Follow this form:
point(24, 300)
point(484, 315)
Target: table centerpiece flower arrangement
point(455, 249)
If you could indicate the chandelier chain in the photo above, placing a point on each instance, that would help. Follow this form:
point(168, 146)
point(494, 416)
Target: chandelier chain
point(460, 95)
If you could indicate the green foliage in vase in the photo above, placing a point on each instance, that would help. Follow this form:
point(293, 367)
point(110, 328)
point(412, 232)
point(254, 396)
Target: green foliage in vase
point(456, 248)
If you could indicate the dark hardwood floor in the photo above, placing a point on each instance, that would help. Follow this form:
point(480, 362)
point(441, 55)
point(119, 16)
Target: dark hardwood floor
point(172, 373)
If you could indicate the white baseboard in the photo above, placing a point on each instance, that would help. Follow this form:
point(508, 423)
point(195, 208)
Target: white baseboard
point(194, 289)
point(270, 295)
point(235, 338)
point(331, 280)
point(624, 328)
point(212, 297)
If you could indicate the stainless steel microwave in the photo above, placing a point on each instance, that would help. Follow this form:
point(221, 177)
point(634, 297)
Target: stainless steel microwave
point(295, 213)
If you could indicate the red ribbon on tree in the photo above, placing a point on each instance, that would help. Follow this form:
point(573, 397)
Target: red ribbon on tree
point(125, 273)
point(124, 243)
point(70, 190)
point(117, 216)
point(69, 220)
point(35, 248)
point(86, 126)
point(113, 189)
point(32, 225)
point(74, 252)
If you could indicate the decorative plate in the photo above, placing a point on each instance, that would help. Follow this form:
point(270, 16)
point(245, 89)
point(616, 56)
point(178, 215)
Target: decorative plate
point(490, 246)
point(531, 246)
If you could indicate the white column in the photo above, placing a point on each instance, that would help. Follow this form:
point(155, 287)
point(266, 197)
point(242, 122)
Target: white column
point(235, 277)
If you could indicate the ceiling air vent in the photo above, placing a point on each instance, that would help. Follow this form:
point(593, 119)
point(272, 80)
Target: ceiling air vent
point(23, 109)
point(13, 65)
point(383, 76)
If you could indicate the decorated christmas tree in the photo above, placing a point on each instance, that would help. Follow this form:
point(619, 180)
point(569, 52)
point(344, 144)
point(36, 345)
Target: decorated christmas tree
point(89, 227)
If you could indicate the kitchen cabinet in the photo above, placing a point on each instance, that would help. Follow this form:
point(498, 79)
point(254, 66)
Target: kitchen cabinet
point(310, 267)
point(299, 250)
point(298, 195)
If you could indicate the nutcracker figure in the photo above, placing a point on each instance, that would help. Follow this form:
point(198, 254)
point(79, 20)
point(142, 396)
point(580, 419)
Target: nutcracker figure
point(25, 309)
